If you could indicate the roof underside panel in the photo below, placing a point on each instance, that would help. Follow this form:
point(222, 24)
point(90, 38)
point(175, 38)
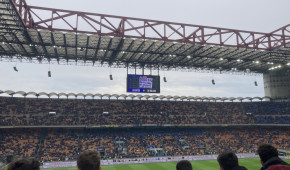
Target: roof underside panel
point(93, 48)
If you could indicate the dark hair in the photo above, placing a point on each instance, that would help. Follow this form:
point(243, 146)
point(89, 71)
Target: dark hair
point(227, 160)
point(266, 152)
point(24, 164)
point(183, 165)
point(89, 160)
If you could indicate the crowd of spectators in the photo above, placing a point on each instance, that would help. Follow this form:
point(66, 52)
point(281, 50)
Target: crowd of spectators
point(24, 141)
point(65, 144)
point(36, 112)
point(260, 108)
point(59, 146)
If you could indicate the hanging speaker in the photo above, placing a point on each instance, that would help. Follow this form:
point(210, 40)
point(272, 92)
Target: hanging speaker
point(212, 81)
point(164, 79)
point(111, 77)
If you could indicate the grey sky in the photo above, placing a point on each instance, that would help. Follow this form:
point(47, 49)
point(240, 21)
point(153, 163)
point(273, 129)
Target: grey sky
point(251, 15)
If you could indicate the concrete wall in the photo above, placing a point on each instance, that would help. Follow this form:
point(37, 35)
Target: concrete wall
point(277, 84)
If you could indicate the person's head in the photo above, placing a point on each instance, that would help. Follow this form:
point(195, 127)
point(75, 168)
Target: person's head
point(227, 160)
point(183, 165)
point(89, 160)
point(24, 164)
point(266, 152)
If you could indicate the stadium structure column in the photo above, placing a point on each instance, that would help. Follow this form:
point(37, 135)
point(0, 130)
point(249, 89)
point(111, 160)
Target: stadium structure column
point(277, 84)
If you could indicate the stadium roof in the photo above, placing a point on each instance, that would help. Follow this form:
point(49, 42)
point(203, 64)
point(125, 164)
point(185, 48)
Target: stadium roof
point(130, 96)
point(64, 37)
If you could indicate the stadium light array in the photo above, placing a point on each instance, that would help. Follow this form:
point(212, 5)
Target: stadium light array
point(276, 67)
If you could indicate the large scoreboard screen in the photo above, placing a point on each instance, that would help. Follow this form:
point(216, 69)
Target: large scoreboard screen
point(143, 83)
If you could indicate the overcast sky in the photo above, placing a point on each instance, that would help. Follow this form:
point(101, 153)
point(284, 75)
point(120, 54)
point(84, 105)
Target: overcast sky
point(250, 15)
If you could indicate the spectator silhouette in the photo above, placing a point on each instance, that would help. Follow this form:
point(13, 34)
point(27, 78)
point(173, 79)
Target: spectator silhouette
point(183, 165)
point(24, 164)
point(269, 158)
point(89, 160)
point(229, 161)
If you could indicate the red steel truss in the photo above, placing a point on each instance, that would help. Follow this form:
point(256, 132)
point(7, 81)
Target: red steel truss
point(128, 27)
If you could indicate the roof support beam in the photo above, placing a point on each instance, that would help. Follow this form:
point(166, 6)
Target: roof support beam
point(147, 29)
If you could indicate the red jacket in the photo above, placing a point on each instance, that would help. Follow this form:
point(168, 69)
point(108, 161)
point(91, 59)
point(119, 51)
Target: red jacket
point(275, 163)
point(279, 167)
